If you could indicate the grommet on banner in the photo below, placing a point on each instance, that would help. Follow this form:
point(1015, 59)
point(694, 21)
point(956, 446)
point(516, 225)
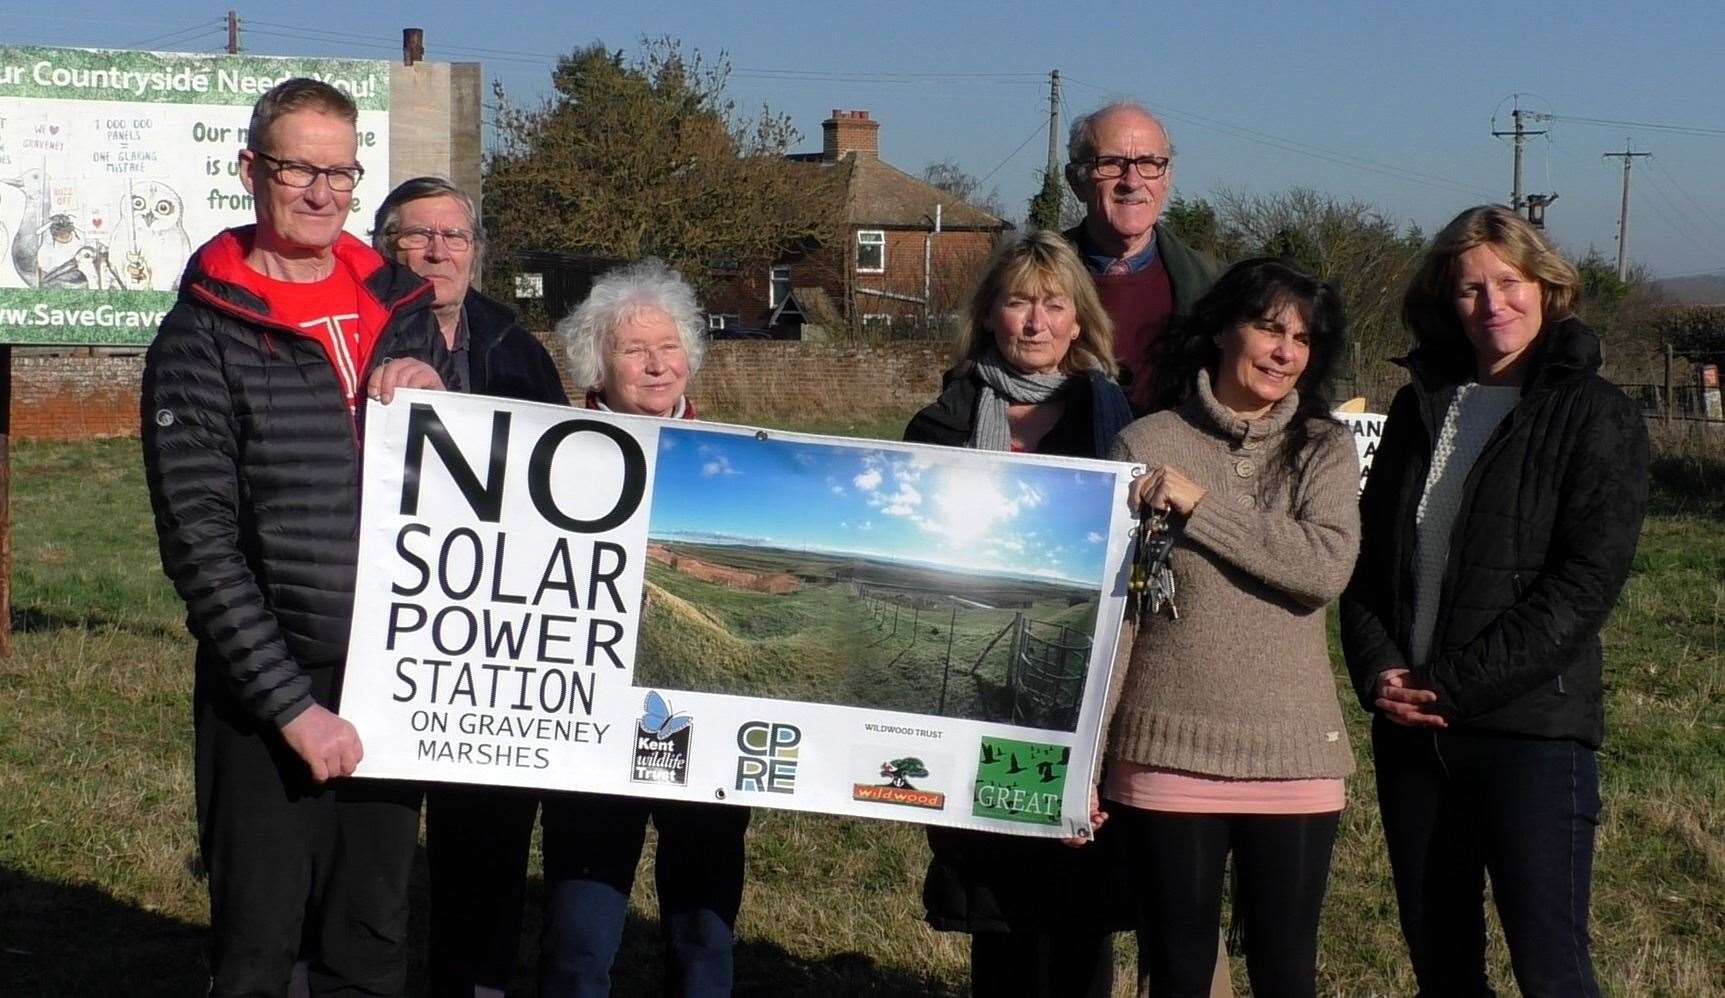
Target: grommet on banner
point(719, 794)
point(761, 435)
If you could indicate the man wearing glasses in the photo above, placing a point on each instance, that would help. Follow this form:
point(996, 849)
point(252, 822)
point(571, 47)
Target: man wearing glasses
point(431, 226)
point(476, 838)
point(251, 428)
point(1119, 163)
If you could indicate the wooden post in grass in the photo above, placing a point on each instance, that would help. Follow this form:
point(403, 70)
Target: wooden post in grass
point(5, 500)
point(1667, 384)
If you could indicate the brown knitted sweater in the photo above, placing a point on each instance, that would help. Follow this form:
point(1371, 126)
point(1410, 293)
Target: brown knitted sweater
point(1240, 686)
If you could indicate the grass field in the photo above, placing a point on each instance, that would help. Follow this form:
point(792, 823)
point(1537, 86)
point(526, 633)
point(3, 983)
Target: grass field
point(894, 642)
point(99, 886)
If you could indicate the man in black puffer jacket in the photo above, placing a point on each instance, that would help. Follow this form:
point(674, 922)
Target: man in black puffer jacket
point(251, 423)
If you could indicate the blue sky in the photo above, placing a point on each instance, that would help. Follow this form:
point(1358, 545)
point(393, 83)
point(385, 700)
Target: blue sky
point(1259, 96)
point(954, 509)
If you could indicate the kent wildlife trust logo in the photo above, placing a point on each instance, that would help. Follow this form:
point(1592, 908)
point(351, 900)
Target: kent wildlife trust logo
point(661, 744)
point(898, 789)
point(768, 762)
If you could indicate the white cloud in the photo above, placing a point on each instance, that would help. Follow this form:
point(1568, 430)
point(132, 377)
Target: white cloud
point(1094, 537)
point(868, 481)
point(720, 465)
point(905, 502)
point(838, 490)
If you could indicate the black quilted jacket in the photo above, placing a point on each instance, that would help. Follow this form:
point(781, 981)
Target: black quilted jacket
point(507, 361)
point(1548, 526)
point(253, 465)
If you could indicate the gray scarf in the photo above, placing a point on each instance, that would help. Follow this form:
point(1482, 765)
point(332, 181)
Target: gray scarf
point(1002, 385)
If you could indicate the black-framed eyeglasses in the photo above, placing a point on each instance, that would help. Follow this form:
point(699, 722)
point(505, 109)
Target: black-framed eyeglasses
point(1151, 167)
point(420, 236)
point(295, 174)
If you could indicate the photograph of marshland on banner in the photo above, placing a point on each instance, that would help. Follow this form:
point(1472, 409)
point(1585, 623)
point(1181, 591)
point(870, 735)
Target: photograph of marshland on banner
point(924, 581)
point(575, 599)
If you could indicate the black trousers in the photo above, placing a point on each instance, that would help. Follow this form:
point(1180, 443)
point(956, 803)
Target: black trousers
point(1457, 805)
point(1041, 964)
point(297, 870)
point(1178, 863)
point(476, 844)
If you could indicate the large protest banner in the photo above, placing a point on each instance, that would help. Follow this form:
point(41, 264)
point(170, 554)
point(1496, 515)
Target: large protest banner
point(114, 166)
point(567, 599)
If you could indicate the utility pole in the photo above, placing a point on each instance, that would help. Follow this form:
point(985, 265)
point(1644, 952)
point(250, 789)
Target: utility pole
point(1628, 157)
point(1053, 123)
point(233, 33)
point(1520, 134)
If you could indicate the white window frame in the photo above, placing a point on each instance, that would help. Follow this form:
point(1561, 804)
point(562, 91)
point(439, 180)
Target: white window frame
point(882, 320)
point(722, 320)
point(876, 237)
point(773, 300)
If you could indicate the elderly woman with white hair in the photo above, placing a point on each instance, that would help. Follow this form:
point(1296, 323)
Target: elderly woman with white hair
point(633, 344)
point(636, 341)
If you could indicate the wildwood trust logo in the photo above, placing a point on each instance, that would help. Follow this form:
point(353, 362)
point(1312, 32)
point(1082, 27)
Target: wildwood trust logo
point(898, 789)
point(1020, 781)
point(769, 757)
point(661, 744)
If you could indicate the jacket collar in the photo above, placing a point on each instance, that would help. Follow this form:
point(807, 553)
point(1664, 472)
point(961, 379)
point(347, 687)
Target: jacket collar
point(1564, 350)
point(219, 275)
point(487, 320)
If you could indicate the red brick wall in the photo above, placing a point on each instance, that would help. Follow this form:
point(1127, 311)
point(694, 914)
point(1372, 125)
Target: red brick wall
point(79, 398)
point(74, 398)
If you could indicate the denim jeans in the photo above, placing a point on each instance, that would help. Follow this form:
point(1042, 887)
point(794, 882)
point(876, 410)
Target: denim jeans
point(1458, 805)
point(592, 847)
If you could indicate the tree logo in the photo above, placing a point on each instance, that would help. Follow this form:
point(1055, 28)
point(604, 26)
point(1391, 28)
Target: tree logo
point(898, 789)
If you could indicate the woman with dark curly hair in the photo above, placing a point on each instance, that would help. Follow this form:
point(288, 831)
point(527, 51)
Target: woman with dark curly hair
point(1225, 735)
point(1500, 520)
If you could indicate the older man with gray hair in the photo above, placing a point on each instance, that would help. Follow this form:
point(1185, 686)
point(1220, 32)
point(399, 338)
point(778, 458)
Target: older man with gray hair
point(433, 227)
point(476, 838)
point(1120, 164)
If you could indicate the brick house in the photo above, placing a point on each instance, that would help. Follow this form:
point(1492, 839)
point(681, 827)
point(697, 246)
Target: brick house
point(910, 255)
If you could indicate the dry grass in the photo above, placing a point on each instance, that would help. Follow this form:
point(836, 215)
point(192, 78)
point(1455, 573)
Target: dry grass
point(99, 891)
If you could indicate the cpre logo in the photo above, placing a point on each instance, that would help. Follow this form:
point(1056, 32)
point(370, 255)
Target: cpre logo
point(768, 762)
point(661, 743)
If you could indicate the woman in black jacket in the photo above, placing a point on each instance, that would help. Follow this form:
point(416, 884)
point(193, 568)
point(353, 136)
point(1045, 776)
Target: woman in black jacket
point(1034, 375)
point(1498, 525)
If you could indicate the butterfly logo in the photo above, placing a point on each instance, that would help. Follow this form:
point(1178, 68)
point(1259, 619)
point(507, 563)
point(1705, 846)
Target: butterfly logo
point(657, 720)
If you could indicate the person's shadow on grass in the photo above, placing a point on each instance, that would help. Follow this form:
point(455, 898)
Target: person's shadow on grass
point(76, 939)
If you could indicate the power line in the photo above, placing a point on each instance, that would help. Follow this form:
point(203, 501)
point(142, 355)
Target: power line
point(1041, 128)
point(1685, 227)
point(184, 35)
point(1614, 123)
point(1687, 196)
point(1306, 149)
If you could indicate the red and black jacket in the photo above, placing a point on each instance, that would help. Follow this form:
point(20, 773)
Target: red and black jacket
point(253, 465)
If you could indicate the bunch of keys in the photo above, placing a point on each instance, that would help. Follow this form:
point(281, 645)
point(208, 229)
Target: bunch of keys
point(1152, 578)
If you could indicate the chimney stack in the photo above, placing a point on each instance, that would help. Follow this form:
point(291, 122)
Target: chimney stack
point(849, 131)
